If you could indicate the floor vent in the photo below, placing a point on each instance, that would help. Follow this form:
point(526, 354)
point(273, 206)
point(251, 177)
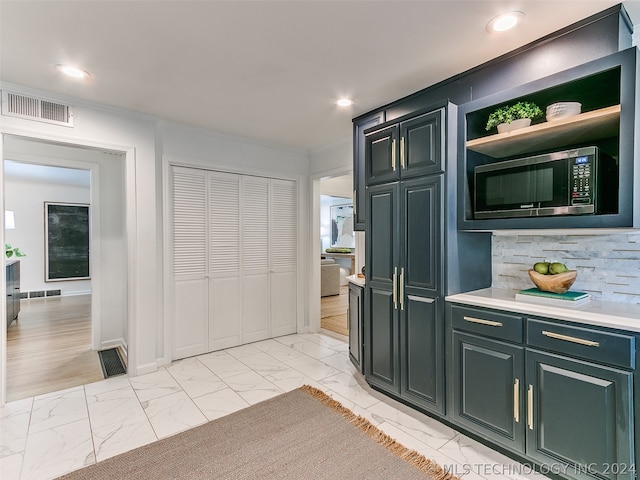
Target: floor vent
point(36, 294)
point(53, 293)
point(111, 363)
point(22, 106)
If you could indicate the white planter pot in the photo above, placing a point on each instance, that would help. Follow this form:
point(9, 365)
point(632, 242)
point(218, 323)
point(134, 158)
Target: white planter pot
point(516, 124)
point(520, 123)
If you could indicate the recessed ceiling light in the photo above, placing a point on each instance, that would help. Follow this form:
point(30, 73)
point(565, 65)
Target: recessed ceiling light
point(72, 71)
point(505, 22)
point(344, 102)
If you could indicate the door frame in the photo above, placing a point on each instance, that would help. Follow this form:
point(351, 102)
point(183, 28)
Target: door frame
point(94, 230)
point(315, 251)
point(131, 219)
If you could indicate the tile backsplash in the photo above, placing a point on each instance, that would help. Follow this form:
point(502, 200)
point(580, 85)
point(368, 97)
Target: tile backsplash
point(608, 265)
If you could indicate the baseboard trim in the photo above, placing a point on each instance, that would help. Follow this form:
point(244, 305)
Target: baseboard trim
point(144, 369)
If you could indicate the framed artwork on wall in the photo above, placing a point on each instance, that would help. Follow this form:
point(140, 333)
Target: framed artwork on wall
point(66, 228)
point(342, 226)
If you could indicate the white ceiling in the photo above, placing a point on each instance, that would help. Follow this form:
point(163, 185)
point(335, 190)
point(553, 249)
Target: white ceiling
point(268, 70)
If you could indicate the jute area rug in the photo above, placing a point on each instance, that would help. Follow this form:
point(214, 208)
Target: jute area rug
point(303, 434)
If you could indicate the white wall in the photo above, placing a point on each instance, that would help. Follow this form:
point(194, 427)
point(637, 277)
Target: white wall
point(26, 199)
point(335, 157)
point(147, 142)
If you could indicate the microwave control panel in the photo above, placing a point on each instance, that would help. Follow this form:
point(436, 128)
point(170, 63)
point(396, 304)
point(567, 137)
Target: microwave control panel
point(581, 188)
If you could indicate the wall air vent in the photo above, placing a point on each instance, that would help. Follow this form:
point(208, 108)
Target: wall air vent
point(22, 106)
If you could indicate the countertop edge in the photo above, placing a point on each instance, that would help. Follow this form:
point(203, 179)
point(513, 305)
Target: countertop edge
point(356, 280)
point(623, 316)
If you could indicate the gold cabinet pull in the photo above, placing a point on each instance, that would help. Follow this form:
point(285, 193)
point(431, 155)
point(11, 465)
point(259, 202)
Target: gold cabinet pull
point(530, 407)
point(567, 338)
point(355, 202)
point(393, 154)
point(482, 321)
point(516, 400)
point(402, 152)
point(395, 281)
point(401, 286)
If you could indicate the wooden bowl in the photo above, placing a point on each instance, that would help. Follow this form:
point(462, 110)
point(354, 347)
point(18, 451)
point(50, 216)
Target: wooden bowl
point(558, 283)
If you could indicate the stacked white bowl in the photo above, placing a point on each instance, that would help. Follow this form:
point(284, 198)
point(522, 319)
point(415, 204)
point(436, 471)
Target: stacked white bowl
point(560, 110)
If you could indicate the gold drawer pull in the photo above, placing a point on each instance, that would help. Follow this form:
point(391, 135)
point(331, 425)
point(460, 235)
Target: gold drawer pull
point(483, 322)
point(401, 288)
point(393, 154)
point(395, 289)
point(567, 338)
point(516, 400)
point(530, 407)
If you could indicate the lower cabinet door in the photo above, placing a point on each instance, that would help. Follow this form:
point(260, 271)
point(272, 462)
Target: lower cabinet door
point(488, 378)
point(381, 355)
point(579, 417)
point(355, 325)
point(421, 358)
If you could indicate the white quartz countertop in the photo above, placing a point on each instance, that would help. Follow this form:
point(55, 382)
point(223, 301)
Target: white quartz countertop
point(624, 316)
point(356, 279)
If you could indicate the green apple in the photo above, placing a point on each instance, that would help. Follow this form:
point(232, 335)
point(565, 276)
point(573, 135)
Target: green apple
point(557, 267)
point(541, 267)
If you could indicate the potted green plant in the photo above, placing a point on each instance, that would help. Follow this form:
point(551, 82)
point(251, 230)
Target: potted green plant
point(511, 117)
point(13, 251)
point(498, 117)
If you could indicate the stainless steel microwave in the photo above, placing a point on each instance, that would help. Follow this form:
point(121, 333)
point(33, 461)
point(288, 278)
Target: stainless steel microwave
point(578, 181)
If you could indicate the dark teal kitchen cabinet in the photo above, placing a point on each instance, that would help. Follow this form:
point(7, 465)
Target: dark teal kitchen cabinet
point(420, 285)
point(607, 122)
point(580, 414)
point(411, 148)
point(421, 353)
point(488, 378)
point(403, 311)
point(553, 392)
point(359, 184)
point(355, 313)
point(410, 216)
point(381, 332)
point(12, 277)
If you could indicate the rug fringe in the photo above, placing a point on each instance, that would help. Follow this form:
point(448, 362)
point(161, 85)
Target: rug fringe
point(435, 471)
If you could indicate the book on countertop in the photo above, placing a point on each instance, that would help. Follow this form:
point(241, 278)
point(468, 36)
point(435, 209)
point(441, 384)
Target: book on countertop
point(568, 299)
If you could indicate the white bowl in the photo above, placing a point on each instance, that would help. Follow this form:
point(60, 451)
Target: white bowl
point(560, 110)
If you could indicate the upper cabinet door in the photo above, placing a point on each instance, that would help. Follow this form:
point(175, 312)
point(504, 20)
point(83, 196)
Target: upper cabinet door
point(422, 264)
point(382, 163)
point(421, 145)
point(359, 185)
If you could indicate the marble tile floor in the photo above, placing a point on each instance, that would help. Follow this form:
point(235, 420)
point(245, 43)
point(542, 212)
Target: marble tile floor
point(48, 435)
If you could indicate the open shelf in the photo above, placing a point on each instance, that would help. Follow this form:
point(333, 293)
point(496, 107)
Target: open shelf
point(581, 128)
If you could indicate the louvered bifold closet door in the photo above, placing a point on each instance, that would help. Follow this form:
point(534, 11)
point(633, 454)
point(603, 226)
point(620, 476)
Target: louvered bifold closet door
point(189, 234)
point(224, 260)
point(255, 258)
point(284, 252)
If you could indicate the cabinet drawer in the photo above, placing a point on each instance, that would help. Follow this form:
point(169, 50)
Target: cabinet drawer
point(590, 344)
point(487, 322)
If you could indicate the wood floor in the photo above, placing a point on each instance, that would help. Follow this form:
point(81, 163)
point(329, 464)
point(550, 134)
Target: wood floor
point(333, 312)
point(49, 347)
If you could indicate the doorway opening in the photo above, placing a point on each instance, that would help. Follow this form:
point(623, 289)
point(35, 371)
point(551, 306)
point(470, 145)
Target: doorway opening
point(337, 251)
point(71, 309)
